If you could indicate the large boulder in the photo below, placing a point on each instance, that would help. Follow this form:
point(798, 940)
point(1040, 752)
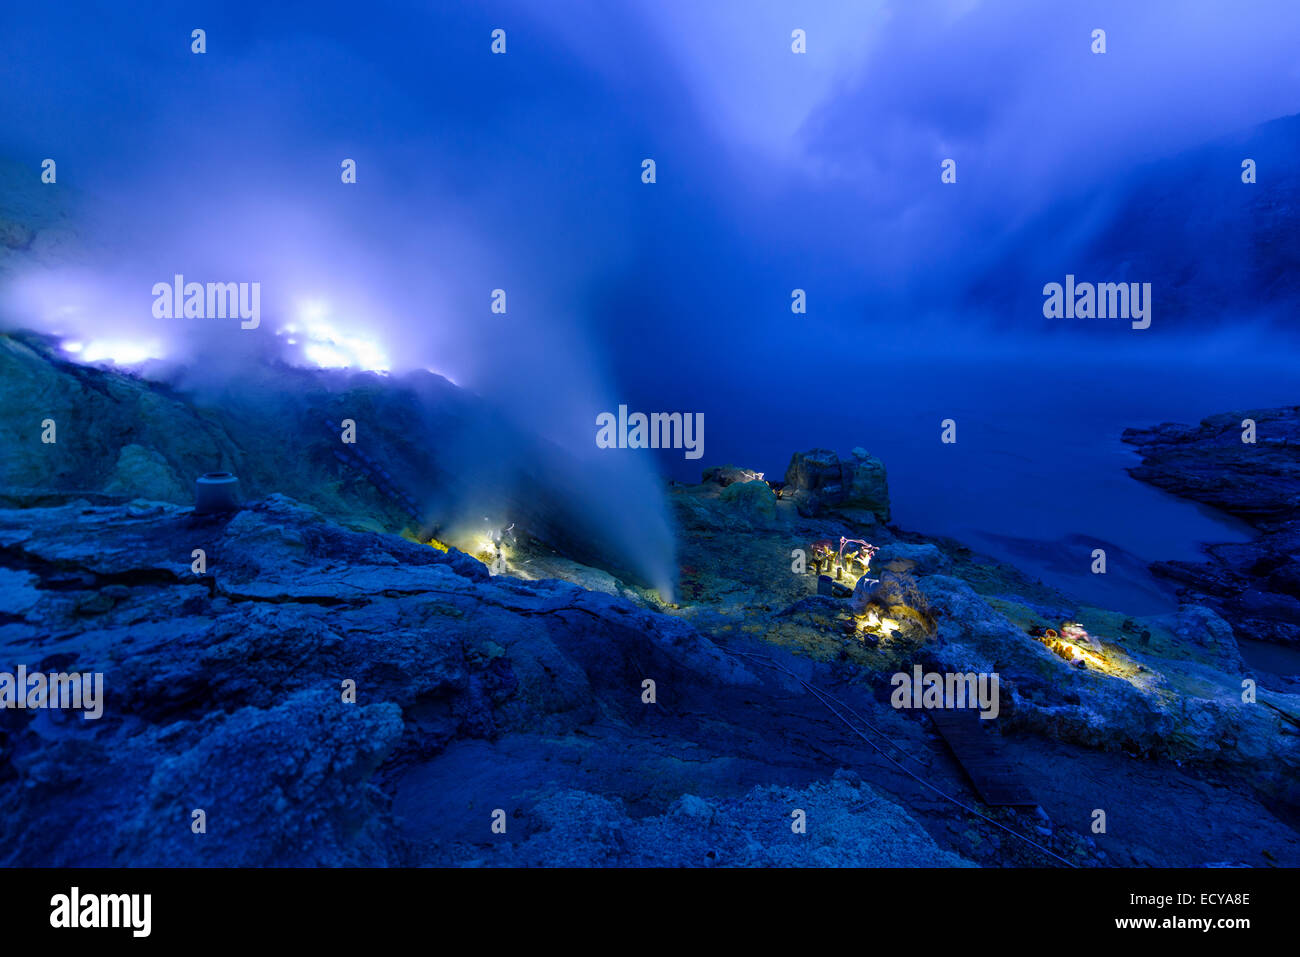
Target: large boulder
point(815, 471)
point(819, 479)
point(754, 498)
point(1200, 628)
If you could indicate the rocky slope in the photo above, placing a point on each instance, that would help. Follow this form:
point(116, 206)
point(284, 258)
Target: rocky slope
point(427, 454)
point(229, 688)
point(225, 692)
point(1162, 686)
point(477, 693)
point(1255, 585)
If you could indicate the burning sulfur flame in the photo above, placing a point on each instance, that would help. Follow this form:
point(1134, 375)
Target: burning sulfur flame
point(323, 345)
point(118, 352)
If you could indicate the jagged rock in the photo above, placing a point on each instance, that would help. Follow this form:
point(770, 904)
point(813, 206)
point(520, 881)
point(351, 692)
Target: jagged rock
point(1252, 584)
point(254, 768)
point(819, 479)
point(1210, 463)
point(813, 470)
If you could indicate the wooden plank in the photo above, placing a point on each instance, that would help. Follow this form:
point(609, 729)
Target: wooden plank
point(979, 751)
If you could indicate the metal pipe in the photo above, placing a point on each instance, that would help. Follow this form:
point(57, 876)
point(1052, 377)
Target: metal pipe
point(216, 492)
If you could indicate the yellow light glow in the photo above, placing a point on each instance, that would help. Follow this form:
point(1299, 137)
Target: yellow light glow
point(873, 622)
point(1099, 663)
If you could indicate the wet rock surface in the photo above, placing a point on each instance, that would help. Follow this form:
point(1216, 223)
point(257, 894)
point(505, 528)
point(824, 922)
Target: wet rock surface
point(1254, 585)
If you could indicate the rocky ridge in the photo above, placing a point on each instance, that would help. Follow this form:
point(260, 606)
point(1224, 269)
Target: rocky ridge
point(1256, 584)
